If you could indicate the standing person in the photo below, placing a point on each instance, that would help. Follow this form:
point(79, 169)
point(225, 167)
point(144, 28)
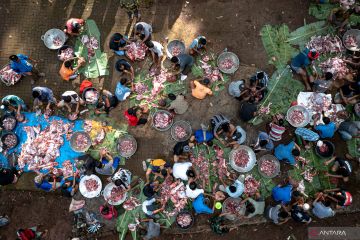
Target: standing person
point(13, 103)
point(21, 65)
point(156, 50)
point(182, 64)
point(143, 30)
point(124, 67)
point(197, 45)
point(132, 8)
point(287, 152)
point(200, 90)
point(248, 110)
point(179, 104)
point(69, 98)
point(135, 117)
point(9, 176)
point(43, 95)
point(117, 44)
point(67, 72)
point(73, 26)
point(327, 129)
point(122, 92)
point(277, 129)
point(301, 61)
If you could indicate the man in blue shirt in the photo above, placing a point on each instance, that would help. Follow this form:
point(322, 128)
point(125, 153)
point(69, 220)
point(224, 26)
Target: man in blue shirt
point(20, 64)
point(202, 136)
point(122, 91)
point(200, 207)
point(301, 61)
point(234, 190)
point(327, 129)
point(282, 194)
point(43, 95)
point(287, 152)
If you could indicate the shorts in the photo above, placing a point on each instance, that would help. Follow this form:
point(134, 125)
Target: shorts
point(156, 169)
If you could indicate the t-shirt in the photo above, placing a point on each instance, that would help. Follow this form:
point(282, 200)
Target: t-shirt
point(200, 207)
point(326, 130)
point(276, 132)
point(264, 136)
point(179, 105)
point(185, 60)
point(74, 96)
point(180, 169)
point(14, 100)
point(203, 136)
point(234, 88)
point(321, 85)
point(350, 127)
point(247, 111)
point(147, 28)
point(282, 194)
point(179, 147)
point(65, 72)
point(301, 60)
point(124, 63)
point(258, 205)
point(124, 175)
point(132, 120)
point(23, 66)
point(345, 165)
point(157, 49)
point(239, 189)
point(239, 135)
point(273, 213)
point(284, 152)
point(71, 21)
point(153, 230)
point(193, 193)
point(45, 185)
point(122, 92)
point(195, 43)
point(145, 205)
point(120, 42)
point(200, 91)
point(321, 211)
point(299, 215)
point(46, 94)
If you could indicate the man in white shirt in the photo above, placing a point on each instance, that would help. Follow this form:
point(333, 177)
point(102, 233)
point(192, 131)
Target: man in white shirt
point(192, 191)
point(183, 170)
point(68, 98)
point(149, 207)
point(143, 30)
point(156, 50)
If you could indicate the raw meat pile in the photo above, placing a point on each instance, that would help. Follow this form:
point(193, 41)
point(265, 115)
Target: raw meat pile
point(308, 175)
point(202, 165)
point(87, 126)
point(319, 102)
point(136, 51)
point(91, 44)
point(42, 147)
point(251, 185)
point(326, 44)
point(265, 110)
point(324, 148)
point(176, 50)
point(47, 113)
point(176, 193)
point(10, 141)
point(72, 116)
point(9, 123)
point(335, 65)
point(81, 141)
point(184, 220)
point(131, 203)
point(211, 72)
point(57, 41)
point(67, 168)
point(91, 96)
point(233, 206)
point(268, 167)
point(158, 82)
point(226, 63)
point(66, 54)
point(162, 120)
point(241, 158)
point(99, 137)
point(20, 117)
point(91, 185)
point(220, 164)
point(297, 117)
point(141, 89)
point(180, 132)
point(350, 41)
point(8, 75)
point(126, 147)
point(117, 193)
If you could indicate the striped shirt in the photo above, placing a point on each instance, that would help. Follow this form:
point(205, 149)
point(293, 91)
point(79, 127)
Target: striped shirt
point(276, 132)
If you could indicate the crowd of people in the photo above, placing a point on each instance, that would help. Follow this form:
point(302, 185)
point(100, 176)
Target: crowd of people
point(288, 199)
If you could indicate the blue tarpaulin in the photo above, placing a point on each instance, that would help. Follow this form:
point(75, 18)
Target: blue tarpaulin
point(66, 153)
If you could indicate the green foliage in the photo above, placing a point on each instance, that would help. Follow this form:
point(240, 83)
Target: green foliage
point(274, 39)
point(302, 35)
point(282, 90)
point(321, 11)
point(197, 71)
point(354, 20)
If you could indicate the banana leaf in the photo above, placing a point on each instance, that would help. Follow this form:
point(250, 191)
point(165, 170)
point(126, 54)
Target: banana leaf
point(282, 90)
point(321, 11)
point(302, 35)
point(197, 71)
point(274, 41)
point(354, 20)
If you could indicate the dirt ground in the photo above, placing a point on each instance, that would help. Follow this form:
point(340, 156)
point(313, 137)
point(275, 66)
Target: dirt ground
point(231, 24)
